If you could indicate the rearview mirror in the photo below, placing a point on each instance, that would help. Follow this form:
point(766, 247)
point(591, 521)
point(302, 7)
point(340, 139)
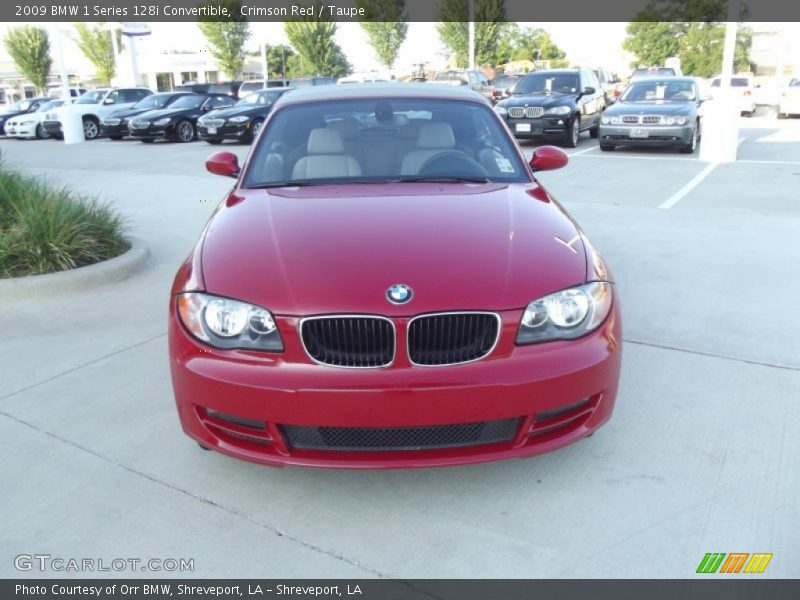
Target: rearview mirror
point(223, 163)
point(548, 158)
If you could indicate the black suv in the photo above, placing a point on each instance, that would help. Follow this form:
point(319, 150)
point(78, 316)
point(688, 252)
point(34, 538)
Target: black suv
point(554, 104)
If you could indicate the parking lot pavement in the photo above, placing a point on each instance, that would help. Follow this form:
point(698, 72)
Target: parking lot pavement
point(700, 455)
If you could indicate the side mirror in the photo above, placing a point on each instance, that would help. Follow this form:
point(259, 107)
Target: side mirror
point(223, 163)
point(108, 101)
point(548, 158)
point(588, 90)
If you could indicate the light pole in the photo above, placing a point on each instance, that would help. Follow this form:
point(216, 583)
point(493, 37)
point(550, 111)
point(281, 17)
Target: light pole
point(471, 33)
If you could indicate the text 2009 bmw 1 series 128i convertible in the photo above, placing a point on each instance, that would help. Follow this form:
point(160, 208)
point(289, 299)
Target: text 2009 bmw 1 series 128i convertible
point(388, 285)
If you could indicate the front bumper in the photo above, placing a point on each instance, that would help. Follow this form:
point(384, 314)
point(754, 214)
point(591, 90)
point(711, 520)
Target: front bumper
point(53, 128)
point(228, 131)
point(644, 135)
point(789, 106)
point(153, 131)
point(22, 131)
point(120, 129)
point(524, 384)
point(543, 127)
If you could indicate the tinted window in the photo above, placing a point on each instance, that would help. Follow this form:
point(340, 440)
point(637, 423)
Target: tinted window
point(220, 101)
point(651, 90)
point(384, 140)
point(188, 101)
point(92, 97)
point(559, 83)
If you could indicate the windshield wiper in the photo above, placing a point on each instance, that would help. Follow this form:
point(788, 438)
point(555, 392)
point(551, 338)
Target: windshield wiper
point(435, 179)
point(282, 184)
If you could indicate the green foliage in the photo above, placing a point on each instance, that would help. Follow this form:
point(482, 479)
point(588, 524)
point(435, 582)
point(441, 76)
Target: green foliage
point(701, 50)
point(95, 43)
point(29, 48)
point(226, 38)
point(698, 38)
point(519, 43)
point(453, 29)
point(385, 27)
point(280, 55)
point(45, 228)
point(313, 38)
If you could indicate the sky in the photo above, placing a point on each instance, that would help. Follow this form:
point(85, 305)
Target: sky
point(578, 40)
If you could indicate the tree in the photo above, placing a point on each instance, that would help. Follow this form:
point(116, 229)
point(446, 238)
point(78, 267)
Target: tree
point(226, 38)
point(698, 38)
point(95, 43)
point(385, 27)
point(518, 43)
point(282, 61)
point(454, 30)
point(29, 48)
point(701, 49)
point(313, 38)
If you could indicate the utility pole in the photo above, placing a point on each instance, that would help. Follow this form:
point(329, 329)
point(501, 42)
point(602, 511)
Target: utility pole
point(264, 63)
point(471, 33)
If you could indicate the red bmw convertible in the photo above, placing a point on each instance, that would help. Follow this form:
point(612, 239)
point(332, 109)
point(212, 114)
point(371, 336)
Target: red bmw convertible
point(388, 285)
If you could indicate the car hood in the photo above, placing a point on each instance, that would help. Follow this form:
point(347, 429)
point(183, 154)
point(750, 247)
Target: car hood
point(154, 115)
point(650, 108)
point(543, 100)
point(328, 249)
point(128, 112)
point(227, 113)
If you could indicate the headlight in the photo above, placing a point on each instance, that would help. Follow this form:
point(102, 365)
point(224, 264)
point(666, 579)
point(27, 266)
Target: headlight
point(226, 323)
point(501, 110)
point(241, 119)
point(610, 120)
point(111, 122)
point(164, 121)
point(567, 314)
point(558, 110)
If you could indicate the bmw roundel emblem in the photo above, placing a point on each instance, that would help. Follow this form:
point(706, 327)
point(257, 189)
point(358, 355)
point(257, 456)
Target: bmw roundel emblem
point(399, 294)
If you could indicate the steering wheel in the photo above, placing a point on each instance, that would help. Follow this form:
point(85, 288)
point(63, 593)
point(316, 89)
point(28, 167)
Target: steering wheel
point(451, 163)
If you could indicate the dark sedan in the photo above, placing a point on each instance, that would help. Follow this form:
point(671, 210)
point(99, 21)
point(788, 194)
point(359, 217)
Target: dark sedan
point(116, 126)
point(178, 121)
point(242, 121)
point(658, 111)
point(21, 107)
point(556, 104)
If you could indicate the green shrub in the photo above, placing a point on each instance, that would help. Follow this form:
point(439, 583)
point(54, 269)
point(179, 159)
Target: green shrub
point(46, 228)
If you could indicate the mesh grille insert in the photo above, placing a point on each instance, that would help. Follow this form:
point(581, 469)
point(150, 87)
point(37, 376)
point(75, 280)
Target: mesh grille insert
point(449, 339)
point(429, 437)
point(349, 341)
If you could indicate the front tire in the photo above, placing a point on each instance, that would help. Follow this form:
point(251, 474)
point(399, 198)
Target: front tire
point(148, 140)
point(573, 133)
point(691, 146)
point(214, 142)
point(184, 132)
point(607, 147)
point(91, 128)
point(255, 128)
point(116, 138)
point(41, 134)
point(594, 132)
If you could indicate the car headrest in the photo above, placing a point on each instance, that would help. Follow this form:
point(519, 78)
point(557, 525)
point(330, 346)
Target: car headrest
point(348, 128)
point(325, 141)
point(436, 135)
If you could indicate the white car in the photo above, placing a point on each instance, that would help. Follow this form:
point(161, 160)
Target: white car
point(93, 106)
point(29, 125)
point(790, 100)
point(743, 86)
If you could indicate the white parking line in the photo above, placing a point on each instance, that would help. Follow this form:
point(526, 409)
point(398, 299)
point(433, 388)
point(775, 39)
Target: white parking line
point(579, 152)
point(695, 181)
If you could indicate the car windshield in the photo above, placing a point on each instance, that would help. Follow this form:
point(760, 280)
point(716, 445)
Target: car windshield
point(548, 83)
point(735, 82)
point(93, 97)
point(188, 101)
point(153, 101)
point(259, 99)
point(657, 71)
point(382, 141)
point(505, 82)
point(654, 90)
point(250, 86)
point(50, 105)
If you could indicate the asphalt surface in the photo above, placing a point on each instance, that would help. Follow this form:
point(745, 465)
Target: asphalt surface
point(700, 456)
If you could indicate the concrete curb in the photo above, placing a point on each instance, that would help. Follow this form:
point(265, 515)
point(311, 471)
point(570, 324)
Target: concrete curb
point(82, 278)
